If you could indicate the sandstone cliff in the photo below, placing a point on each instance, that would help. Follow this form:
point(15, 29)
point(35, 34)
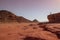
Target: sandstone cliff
point(7, 16)
point(55, 18)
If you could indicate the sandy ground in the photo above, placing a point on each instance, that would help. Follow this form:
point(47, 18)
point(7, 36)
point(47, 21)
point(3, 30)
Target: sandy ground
point(18, 31)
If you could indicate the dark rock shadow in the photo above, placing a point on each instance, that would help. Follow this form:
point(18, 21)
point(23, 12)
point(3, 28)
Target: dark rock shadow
point(33, 38)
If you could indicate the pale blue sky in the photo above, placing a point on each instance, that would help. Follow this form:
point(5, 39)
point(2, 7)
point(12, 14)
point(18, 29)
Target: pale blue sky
point(31, 9)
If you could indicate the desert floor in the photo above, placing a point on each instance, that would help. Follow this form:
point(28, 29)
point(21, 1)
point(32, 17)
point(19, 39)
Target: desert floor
point(19, 31)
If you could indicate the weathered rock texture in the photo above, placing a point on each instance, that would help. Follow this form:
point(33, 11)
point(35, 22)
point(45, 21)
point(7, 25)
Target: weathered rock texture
point(6, 16)
point(22, 19)
point(54, 18)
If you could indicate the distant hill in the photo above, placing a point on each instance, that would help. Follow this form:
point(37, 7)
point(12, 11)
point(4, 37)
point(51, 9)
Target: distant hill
point(35, 20)
point(7, 16)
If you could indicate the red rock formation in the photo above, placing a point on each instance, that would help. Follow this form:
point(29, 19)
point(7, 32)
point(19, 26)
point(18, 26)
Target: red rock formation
point(22, 19)
point(35, 20)
point(54, 18)
point(6, 16)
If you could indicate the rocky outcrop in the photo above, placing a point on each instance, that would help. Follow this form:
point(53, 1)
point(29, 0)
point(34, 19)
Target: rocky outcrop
point(6, 16)
point(54, 18)
point(35, 20)
point(22, 19)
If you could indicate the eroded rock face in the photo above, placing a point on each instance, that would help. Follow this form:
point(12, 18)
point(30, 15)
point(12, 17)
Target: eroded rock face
point(22, 19)
point(6, 16)
point(55, 18)
point(35, 20)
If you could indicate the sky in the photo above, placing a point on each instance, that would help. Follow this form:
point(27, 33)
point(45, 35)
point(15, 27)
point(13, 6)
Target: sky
point(31, 9)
